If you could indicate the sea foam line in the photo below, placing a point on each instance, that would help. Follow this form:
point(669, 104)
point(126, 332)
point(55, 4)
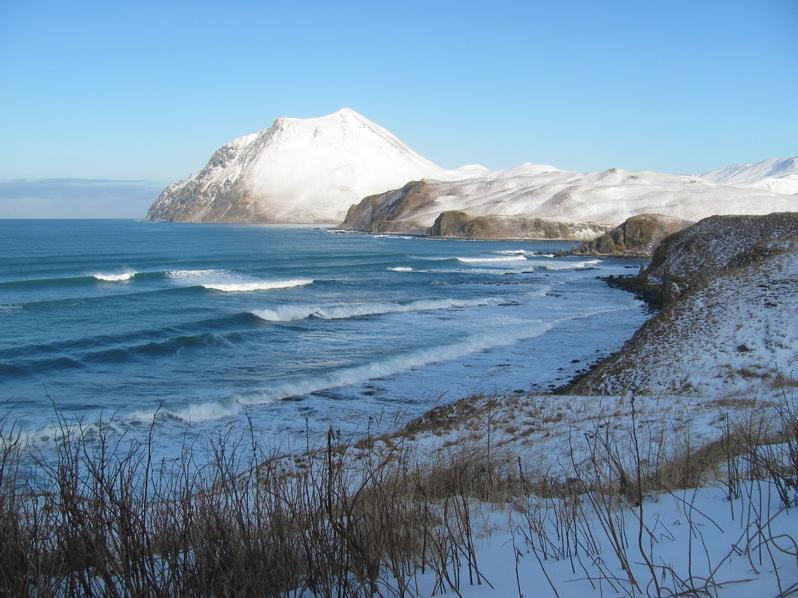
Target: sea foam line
point(509, 335)
point(523, 252)
point(291, 313)
point(211, 410)
point(229, 282)
point(260, 285)
point(491, 260)
point(564, 265)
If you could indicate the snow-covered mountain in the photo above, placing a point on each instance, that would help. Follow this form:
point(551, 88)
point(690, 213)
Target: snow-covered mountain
point(777, 174)
point(607, 197)
point(312, 170)
point(299, 171)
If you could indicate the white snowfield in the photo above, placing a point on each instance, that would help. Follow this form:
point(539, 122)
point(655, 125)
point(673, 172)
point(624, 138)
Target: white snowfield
point(779, 175)
point(693, 531)
point(607, 197)
point(312, 170)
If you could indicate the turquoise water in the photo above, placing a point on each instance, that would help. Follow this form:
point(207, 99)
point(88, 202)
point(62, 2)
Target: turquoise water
point(207, 327)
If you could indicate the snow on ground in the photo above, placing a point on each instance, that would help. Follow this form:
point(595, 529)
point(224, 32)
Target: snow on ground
point(689, 533)
point(736, 335)
point(550, 432)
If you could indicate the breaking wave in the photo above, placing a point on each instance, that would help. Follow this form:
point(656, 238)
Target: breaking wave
point(229, 282)
point(523, 252)
point(566, 265)
point(111, 277)
point(344, 377)
point(292, 313)
point(491, 260)
point(262, 285)
point(401, 269)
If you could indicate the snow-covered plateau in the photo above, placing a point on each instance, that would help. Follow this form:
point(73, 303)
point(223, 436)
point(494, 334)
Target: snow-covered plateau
point(314, 170)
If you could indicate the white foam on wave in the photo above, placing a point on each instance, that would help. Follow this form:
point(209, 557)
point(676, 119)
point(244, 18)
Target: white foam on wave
point(7, 308)
point(523, 252)
point(259, 285)
point(114, 277)
point(510, 334)
point(566, 265)
point(401, 269)
point(491, 260)
point(292, 313)
point(397, 364)
point(191, 414)
point(181, 274)
point(230, 282)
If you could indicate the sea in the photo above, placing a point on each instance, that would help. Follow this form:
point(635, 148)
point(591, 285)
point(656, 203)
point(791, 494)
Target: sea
point(187, 331)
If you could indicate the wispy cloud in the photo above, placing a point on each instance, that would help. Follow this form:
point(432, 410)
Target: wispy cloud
point(76, 198)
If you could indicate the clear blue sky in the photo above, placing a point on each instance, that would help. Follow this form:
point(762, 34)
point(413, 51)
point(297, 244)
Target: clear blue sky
point(141, 90)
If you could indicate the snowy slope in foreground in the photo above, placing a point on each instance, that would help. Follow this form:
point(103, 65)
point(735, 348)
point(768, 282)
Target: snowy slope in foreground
point(298, 171)
point(777, 174)
point(735, 335)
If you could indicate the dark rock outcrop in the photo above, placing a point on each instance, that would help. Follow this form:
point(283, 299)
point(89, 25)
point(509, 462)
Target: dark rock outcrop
point(638, 236)
point(378, 213)
point(461, 225)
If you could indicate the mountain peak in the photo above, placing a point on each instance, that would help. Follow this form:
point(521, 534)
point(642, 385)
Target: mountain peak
point(775, 174)
point(300, 170)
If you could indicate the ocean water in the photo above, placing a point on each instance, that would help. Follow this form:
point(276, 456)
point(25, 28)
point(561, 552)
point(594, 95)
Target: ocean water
point(209, 328)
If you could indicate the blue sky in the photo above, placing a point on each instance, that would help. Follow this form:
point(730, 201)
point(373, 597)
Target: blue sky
point(117, 90)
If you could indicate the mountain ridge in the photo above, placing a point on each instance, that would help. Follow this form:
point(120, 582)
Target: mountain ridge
point(323, 169)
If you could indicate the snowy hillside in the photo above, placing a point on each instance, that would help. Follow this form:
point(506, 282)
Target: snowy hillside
point(298, 171)
point(608, 197)
point(779, 175)
point(732, 333)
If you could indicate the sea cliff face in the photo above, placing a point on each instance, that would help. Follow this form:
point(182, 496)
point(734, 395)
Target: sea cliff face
point(462, 225)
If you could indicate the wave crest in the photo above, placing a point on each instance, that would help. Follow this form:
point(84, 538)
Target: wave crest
point(292, 313)
point(114, 277)
point(230, 282)
point(492, 260)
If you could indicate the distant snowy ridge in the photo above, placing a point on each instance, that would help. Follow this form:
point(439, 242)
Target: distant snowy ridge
point(299, 171)
point(776, 174)
point(608, 197)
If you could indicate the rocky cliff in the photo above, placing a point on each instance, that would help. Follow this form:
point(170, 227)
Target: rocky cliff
point(462, 225)
point(637, 236)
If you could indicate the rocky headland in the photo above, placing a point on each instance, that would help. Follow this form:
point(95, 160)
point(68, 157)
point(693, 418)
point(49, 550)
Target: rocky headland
point(637, 236)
